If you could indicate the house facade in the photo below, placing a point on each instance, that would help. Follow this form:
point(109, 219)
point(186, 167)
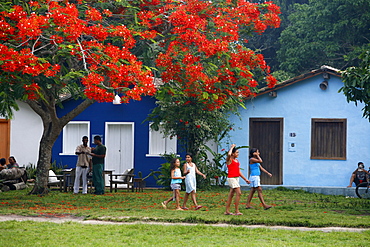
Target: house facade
point(129, 140)
point(307, 132)
point(20, 136)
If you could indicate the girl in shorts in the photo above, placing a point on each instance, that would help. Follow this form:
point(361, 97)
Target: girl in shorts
point(233, 167)
point(255, 169)
point(176, 180)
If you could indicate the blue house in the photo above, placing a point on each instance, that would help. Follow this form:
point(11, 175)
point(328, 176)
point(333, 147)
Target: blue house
point(307, 132)
point(130, 142)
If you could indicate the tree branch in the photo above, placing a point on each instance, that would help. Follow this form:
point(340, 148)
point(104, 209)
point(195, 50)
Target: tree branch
point(76, 111)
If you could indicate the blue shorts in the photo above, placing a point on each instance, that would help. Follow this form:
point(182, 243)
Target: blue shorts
point(255, 181)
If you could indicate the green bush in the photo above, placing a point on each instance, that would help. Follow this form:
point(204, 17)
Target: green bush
point(57, 168)
point(31, 171)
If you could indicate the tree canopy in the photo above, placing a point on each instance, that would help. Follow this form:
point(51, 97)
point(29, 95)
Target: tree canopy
point(331, 32)
point(206, 68)
point(96, 49)
point(57, 47)
point(51, 49)
point(356, 83)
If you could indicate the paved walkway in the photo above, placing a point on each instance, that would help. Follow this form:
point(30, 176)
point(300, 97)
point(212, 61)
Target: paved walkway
point(102, 222)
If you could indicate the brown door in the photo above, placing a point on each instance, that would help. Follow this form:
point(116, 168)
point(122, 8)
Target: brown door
point(4, 138)
point(266, 134)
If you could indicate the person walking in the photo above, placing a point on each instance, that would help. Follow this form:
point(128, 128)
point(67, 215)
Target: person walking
point(98, 155)
point(255, 169)
point(176, 180)
point(83, 165)
point(233, 174)
point(189, 171)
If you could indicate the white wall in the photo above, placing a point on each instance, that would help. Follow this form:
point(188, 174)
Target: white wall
point(25, 134)
point(298, 104)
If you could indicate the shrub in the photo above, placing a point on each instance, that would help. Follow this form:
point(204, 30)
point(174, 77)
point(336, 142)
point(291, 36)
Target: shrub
point(31, 171)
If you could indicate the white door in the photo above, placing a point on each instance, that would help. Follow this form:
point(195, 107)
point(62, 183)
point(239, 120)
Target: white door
point(120, 146)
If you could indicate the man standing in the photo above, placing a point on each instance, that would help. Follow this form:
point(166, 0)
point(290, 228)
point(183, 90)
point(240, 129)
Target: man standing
point(98, 155)
point(82, 166)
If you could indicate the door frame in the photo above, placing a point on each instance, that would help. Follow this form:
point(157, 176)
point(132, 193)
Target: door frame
point(281, 136)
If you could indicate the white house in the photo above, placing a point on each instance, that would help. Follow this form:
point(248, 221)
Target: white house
point(307, 132)
point(20, 136)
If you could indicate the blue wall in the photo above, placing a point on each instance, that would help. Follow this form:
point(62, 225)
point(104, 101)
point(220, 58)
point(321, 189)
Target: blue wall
point(98, 114)
point(298, 104)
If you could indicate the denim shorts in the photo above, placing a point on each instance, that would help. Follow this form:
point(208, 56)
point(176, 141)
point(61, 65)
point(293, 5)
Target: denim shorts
point(176, 186)
point(255, 181)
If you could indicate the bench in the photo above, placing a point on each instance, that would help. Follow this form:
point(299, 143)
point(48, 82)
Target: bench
point(125, 178)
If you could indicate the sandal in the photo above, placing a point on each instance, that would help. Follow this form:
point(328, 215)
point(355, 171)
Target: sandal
point(228, 213)
point(268, 207)
point(249, 207)
point(164, 205)
point(185, 208)
point(238, 213)
point(198, 207)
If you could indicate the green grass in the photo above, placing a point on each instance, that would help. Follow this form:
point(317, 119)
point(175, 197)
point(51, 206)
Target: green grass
point(291, 208)
point(75, 234)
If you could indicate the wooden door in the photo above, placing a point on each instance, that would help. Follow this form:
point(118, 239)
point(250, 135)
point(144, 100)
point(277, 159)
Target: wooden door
point(5, 138)
point(266, 134)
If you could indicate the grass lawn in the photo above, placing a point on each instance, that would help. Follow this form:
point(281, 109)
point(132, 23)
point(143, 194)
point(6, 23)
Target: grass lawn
point(74, 234)
point(291, 208)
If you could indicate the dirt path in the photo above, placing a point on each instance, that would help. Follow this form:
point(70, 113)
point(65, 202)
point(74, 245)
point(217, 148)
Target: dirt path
point(102, 222)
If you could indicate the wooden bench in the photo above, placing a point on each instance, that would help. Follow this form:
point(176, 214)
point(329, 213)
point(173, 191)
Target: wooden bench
point(126, 179)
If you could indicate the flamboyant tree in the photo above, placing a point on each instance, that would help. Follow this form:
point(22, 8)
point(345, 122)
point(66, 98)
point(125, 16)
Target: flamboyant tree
point(54, 48)
point(94, 49)
point(205, 67)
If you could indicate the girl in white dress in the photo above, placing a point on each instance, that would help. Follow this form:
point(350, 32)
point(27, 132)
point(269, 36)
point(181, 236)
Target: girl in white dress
point(189, 171)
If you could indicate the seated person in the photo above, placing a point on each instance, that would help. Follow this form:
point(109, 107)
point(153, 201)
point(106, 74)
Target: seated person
point(359, 175)
point(3, 164)
point(12, 163)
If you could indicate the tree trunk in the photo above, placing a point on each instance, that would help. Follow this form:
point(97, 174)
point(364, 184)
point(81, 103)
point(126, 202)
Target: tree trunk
point(44, 160)
point(52, 128)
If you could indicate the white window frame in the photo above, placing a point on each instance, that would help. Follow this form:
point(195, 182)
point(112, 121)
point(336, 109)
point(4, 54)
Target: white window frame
point(71, 141)
point(168, 145)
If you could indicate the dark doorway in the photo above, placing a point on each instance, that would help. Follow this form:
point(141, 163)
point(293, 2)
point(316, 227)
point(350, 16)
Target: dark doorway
point(266, 134)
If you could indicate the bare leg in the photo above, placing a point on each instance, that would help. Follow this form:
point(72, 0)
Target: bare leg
point(237, 199)
point(250, 196)
point(193, 197)
point(185, 200)
point(177, 193)
point(229, 199)
point(168, 200)
point(164, 204)
point(260, 196)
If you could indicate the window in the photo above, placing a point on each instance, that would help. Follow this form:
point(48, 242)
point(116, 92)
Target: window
point(328, 139)
point(72, 135)
point(159, 144)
